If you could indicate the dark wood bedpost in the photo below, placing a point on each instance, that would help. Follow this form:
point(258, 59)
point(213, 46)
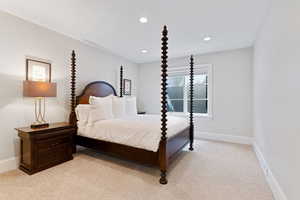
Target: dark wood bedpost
point(191, 102)
point(72, 118)
point(163, 160)
point(121, 81)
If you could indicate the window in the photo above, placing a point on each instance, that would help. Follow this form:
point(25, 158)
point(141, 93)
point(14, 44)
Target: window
point(179, 90)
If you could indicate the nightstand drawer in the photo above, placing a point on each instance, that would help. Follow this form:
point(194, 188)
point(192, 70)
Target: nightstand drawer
point(53, 156)
point(53, 142)
point(54, 134)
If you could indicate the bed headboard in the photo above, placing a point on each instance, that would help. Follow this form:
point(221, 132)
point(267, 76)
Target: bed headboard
point(97, 89)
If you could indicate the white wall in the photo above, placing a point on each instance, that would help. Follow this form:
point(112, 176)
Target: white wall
point(232, 91)
point(19, 39)
point(277, 94)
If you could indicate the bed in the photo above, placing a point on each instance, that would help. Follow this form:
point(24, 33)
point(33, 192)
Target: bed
point(140, 131)
point(147, 139)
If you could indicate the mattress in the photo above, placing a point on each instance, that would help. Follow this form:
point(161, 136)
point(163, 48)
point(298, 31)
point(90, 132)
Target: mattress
point(140, 131)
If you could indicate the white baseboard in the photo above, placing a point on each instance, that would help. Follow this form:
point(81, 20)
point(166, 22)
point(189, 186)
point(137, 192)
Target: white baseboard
point(9, 164)
point(273, 183)
point(224, 138)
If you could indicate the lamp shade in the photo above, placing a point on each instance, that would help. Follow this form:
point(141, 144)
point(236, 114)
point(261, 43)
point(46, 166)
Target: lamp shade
point(39, 89)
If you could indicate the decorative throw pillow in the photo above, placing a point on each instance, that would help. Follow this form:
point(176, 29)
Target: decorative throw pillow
point(130, 108)
point(118, 106)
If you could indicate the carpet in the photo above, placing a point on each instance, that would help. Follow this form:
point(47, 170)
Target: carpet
point(214, 171)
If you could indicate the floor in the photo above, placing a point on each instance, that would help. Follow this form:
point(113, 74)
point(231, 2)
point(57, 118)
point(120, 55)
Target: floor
point(214, 171)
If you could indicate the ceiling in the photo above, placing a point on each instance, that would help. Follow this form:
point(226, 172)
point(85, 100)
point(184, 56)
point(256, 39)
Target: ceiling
point(114, 24)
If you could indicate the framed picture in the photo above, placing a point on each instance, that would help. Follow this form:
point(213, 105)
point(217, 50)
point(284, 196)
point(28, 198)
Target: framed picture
point(127, 87)
point(38, 70)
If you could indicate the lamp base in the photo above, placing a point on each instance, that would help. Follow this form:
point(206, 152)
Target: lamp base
point(43, 125)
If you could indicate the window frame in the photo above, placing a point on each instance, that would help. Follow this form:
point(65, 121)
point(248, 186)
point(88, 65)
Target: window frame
point(198, 69)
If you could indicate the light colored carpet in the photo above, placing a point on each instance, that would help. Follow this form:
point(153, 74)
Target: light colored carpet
point(214, 171)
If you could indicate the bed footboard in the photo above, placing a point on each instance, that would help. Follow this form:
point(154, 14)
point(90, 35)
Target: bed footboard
point(177, 143)
point(169, 149)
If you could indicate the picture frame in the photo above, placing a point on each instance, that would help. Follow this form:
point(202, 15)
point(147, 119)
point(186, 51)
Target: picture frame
point(127, 87)
point(37, 70)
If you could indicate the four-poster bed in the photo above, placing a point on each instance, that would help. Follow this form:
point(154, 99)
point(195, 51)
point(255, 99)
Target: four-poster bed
point(168, 148)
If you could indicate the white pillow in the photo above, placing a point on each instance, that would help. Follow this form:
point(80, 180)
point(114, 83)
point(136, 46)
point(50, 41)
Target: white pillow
point(106, 102)
point(118, 106)
point(130, 108)
point(96, 100)
point(82, 113)
point(99, 112)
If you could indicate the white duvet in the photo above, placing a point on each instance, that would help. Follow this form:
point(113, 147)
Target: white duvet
point(141, 131)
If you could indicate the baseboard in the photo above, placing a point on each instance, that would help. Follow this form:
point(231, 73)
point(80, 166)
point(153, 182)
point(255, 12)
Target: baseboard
point(224, 138)
point(273, 183)
point(9, 164)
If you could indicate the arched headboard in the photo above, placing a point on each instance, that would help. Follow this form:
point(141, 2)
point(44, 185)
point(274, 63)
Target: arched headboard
point(97, 89)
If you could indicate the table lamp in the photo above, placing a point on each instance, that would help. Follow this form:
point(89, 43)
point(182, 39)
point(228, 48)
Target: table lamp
point(39, 90)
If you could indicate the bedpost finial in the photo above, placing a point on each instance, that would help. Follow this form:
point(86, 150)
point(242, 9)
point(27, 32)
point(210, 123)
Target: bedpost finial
point(192, 60)
point(73, 60)
point(73, 54)
point(165, 31)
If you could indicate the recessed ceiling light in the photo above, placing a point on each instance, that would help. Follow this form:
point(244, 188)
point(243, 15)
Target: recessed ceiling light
point(144, 51)
point(207, 38)
point(143, 20)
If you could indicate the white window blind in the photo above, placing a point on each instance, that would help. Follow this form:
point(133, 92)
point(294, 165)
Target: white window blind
point(179, 89)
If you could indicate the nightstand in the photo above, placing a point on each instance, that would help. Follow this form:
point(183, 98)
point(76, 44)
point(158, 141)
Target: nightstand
point(43, 148)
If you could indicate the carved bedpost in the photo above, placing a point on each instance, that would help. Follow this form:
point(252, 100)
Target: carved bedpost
point(121, 81)
point(191, 102)
point(163, 160)
point(72, 118)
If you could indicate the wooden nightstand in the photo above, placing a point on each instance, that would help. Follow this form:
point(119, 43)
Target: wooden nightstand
point(45, 147)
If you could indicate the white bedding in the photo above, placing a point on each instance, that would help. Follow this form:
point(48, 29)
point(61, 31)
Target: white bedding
point(141, 131)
